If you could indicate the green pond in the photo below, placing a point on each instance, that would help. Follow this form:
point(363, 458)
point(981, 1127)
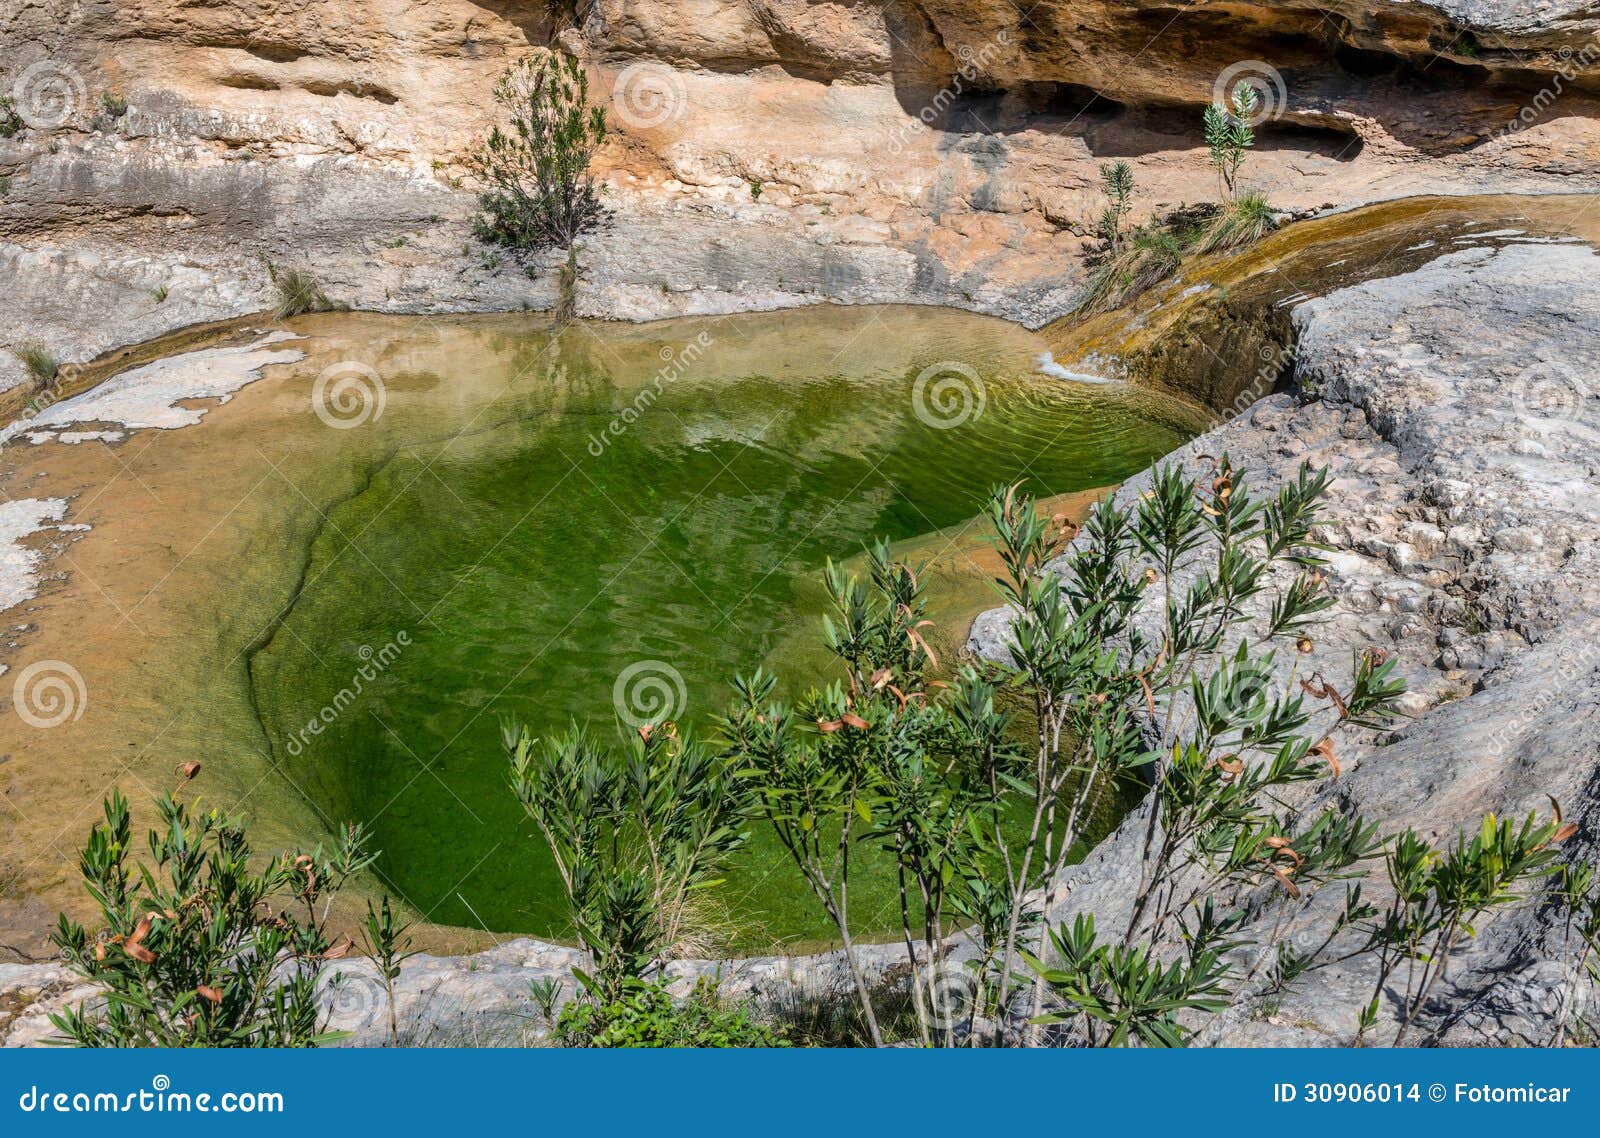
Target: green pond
point(607, 525)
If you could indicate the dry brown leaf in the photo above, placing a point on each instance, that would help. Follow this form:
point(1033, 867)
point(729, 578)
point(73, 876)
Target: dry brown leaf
point(1324, 751)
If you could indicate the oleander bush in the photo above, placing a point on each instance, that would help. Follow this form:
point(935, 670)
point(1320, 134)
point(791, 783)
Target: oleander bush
point(197, 947)
point(1140, 658)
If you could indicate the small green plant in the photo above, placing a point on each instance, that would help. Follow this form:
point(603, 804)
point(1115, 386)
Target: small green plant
point(1147, 256)
point(1126, 993)
point(755, 190)
point(1230, 137)
point(114, 105)
point(196, 948)
point(1440, 897)
point(41, 363)
point(1117, 179)
point(388, 946)
point(11, 123)
point(298, 293)
point(545, 993)
point(1579, 895)
point(161, 294)
point(538, 191)
point(646, 1015)
point(638, 836)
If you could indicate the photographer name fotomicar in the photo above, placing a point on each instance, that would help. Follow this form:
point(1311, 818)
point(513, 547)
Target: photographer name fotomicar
point(1468, 1092)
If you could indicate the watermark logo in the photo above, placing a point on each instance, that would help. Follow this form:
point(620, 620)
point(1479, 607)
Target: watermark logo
point(1572, 65)
point(976, 64)
point(1248, 695)
point(948, 395)
point(48, 693)
point(648, 95)
point(48, 94)
point(649, 692)
point(1549, 389)
point(158, 1098)
point(676, 363)
point(355, 999)
point(348, 394)
point(952, 995)
point(374, 664)
point(1272, 92)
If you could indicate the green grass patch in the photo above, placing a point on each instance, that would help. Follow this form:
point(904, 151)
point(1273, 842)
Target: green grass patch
point(1156, 251)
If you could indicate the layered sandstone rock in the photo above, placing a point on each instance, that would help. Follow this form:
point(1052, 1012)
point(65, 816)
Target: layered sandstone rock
point(767, 152)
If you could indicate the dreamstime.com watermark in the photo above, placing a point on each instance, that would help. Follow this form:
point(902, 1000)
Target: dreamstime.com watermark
point(676, 363)
point(1572, 663)
point(1575, 63)
point(157, 1098)
point(975, 64)
point(375, 664)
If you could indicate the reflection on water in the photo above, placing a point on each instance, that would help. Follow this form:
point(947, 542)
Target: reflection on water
point(615, 522)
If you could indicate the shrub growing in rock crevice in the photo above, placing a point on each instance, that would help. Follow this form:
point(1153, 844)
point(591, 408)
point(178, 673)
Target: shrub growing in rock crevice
point(298, 293)
point(1129, 263)
point(538, 191)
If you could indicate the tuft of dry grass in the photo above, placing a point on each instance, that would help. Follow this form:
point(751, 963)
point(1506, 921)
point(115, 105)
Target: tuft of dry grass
point(298, 292)
point(1150, 256)
point(1242, 223)
point(1155, 252)
point(41, 363)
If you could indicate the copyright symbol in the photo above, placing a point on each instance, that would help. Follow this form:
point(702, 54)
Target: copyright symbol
point(1436, 1092)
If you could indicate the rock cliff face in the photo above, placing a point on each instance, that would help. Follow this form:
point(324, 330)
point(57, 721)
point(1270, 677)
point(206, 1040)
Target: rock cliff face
point(937, 151)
